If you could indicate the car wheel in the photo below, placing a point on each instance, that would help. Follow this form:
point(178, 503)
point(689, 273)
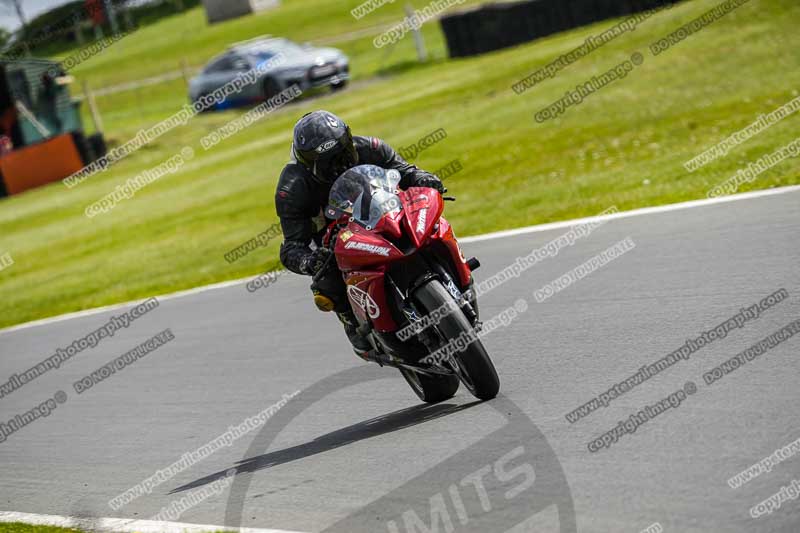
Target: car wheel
point(271, 88)
point(339, 86)
point(200, 99)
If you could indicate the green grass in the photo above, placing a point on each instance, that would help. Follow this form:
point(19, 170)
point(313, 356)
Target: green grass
point(624, 146)
point(161, 46)
point(318, 21)
point(17, 527)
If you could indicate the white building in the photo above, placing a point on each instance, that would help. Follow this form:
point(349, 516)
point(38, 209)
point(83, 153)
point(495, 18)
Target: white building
point(219, 10)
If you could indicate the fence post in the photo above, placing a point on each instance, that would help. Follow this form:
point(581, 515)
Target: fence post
point(96, 118)
point(79, 33)
point(419, 41)
point(128, 18)
point(185, 71)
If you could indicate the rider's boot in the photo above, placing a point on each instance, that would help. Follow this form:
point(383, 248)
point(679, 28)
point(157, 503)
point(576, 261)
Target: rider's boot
point(361, 345)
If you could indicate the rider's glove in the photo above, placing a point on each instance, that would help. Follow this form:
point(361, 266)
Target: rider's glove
point(431, 181)
point(315, 261)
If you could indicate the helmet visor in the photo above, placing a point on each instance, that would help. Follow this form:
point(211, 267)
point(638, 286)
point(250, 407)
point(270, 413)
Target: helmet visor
point(328, 167)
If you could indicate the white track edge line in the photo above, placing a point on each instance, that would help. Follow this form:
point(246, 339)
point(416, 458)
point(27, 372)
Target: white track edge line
point(634, 212)
point(466, 240)
point(122, 525)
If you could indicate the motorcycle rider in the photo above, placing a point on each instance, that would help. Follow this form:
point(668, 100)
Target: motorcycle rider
point(323, 148)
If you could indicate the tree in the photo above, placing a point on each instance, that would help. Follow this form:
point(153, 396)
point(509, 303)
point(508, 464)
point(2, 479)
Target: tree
point(5, 37)
point(16, 5)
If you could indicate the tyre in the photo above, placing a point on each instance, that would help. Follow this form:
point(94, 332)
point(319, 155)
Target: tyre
point(271, 88)
point(431, 389)
point(475, 368)
point(339, 86)
point(83, 147)
point(198, 101)
point(98, 145)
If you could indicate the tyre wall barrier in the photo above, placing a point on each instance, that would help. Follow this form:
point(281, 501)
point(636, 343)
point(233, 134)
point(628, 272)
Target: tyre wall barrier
point(495, 26)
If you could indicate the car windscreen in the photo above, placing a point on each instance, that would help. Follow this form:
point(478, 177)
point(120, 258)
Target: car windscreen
point(263, 55)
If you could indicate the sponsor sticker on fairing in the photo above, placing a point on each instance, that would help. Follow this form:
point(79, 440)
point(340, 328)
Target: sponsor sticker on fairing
point(364, 301)
point(364, 247)
point(422, 220)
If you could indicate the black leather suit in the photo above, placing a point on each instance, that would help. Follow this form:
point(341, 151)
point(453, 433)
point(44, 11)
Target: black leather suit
point(300, 202)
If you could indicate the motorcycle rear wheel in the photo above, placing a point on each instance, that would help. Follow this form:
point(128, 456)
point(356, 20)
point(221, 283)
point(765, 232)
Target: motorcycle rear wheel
point(431, 389)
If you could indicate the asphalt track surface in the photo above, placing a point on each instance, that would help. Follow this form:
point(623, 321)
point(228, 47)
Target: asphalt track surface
point(356, 452)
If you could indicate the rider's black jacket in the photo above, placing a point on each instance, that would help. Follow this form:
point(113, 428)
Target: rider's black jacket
point(300, 200)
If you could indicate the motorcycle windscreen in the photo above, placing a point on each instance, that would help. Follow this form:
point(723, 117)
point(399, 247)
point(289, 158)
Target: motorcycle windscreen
point(366, 197)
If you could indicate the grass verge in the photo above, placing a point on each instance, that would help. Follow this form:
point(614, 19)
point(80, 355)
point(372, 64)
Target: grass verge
point(625, 145)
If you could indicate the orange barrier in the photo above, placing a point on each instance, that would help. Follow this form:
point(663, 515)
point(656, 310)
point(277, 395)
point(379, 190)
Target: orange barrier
point(39, 164)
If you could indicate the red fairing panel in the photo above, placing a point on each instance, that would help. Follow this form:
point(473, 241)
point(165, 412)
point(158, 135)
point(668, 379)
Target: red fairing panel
point(423, 207)
point(364, 255)
point(367, 294)
point(448, 238)
point(357, 248)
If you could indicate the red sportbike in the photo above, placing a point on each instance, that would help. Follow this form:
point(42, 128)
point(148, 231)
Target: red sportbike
point(408, 283)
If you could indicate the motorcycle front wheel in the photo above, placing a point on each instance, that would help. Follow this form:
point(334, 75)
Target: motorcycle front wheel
point(473, 364)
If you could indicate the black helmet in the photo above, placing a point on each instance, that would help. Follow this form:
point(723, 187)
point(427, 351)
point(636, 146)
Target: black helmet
point(324, 144)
